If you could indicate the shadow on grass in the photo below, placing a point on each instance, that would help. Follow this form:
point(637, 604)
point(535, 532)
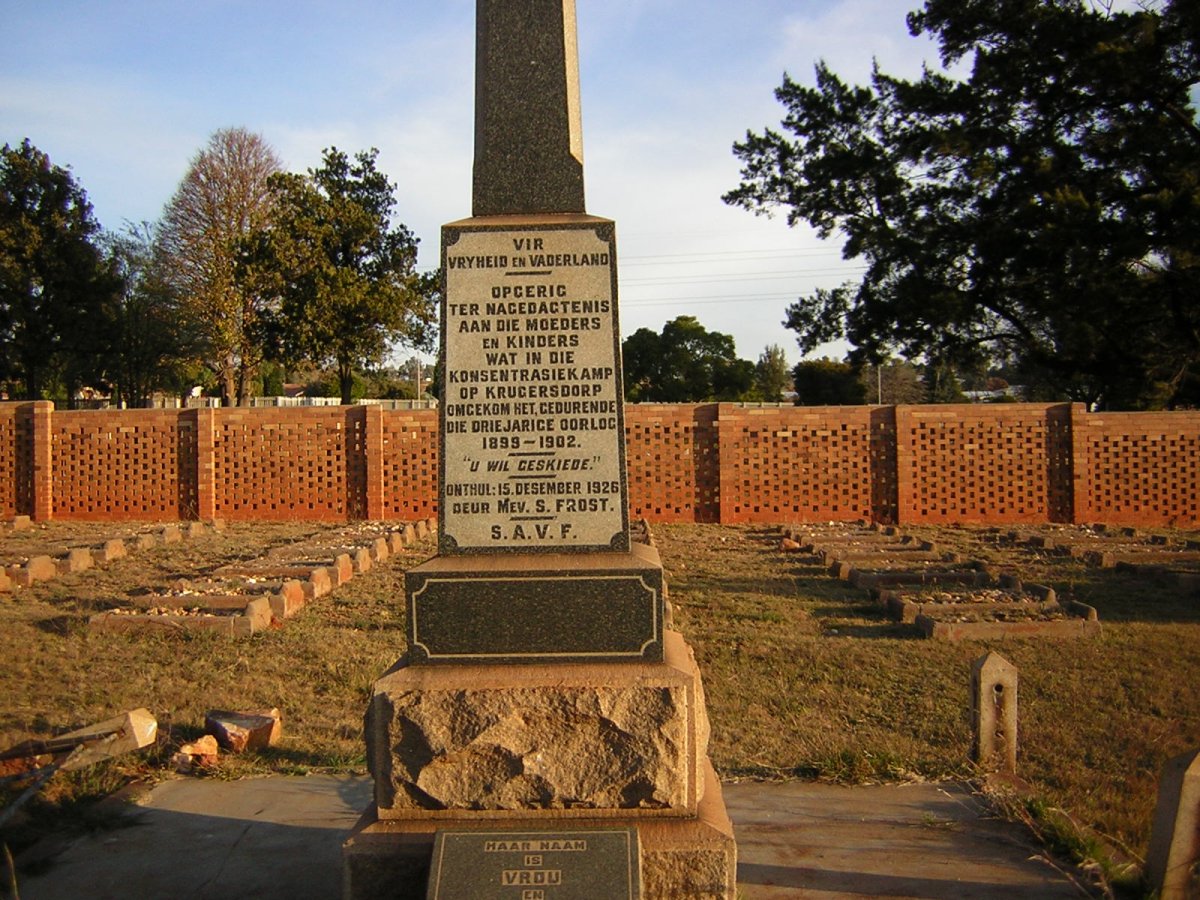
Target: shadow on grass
point(62, 626)
point(1136, 597)
point(818, 579)
point(288, 760)
point(763, 586)
point(765, 532)
point(892, 631)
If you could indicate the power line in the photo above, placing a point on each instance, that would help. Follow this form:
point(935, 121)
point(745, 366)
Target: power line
point(734, 276)
point(707, 299)
point(739, 255)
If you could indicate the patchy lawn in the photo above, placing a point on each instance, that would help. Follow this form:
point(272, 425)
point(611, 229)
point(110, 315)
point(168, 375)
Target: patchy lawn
point(805, 676)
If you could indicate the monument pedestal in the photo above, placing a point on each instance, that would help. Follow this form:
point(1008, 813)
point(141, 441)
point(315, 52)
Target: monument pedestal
point(544, 714)
point(553, 747)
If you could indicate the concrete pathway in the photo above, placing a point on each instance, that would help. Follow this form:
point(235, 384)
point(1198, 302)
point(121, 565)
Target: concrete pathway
point(196, 839)
point(924, 841)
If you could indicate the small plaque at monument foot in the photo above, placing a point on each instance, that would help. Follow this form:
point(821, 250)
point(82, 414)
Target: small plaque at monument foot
point(536, 865)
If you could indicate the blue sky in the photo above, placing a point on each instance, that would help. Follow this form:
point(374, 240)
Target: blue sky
point(126, 92)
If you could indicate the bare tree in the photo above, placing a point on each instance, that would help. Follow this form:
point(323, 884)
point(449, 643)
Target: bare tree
point(222, 198)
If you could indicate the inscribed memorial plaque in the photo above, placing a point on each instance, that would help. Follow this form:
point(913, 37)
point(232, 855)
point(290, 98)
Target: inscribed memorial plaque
point(538, 865)
point(533, 453)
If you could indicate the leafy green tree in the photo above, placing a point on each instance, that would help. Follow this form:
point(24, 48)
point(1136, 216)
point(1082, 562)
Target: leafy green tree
point(150, 344)
point(54, 281)
point(687, 363)
point(273, 378)
point(640, 363)
point(222, 198)
point(336, 276)
point(771, 376)
point(942, 384)
point(825, 382)
point(1045, 208)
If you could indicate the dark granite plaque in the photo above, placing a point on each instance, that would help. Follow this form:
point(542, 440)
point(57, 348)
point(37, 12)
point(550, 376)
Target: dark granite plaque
point(529, 609)
point(536, 865)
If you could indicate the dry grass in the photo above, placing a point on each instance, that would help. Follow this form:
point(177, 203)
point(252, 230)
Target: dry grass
point(318, 668)
point(805, 677)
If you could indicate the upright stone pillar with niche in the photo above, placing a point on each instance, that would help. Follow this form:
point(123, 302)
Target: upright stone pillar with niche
point(542, 693)
point(994, 713)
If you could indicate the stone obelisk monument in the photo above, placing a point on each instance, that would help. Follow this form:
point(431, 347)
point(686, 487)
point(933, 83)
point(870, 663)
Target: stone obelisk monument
point(545, 736)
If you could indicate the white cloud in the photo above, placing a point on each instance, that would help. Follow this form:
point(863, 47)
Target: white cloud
point(850, 35)
point(668, 86)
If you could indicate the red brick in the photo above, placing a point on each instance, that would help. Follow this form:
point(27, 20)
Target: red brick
point(1011, 463)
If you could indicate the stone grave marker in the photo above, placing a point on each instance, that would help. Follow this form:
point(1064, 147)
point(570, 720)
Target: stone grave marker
point(541, 691)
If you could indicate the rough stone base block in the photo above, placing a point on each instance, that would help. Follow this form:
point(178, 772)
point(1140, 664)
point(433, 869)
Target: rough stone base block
point(582, 740)
point(694, 858)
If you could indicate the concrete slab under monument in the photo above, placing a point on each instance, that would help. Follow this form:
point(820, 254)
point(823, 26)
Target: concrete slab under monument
point(693, 857)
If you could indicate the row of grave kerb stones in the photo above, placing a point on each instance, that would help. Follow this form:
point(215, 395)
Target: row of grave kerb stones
point(267, 605)
point(1121, 549)
point(44, 567)
point(904, 574)
point(255, 608)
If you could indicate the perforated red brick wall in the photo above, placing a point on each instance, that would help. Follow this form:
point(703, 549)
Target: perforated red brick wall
point(114, 465)
point(671, 458)
point(8, 461)
point(687, 463)
point(410, 464)
point(796, 464)
point(983, 464)
point(16, 460)
point(284, 464)
point(1137, 468)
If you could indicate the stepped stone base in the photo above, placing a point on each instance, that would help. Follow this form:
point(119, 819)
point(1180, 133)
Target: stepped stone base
point(586, 740)
point(693, 857)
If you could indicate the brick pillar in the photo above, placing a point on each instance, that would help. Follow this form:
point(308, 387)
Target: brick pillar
point(1081, 475)
point(727, 469)
point(882, 450)
point(373, 451)
point(42, 422)
point(206, 495)
point(905, 493)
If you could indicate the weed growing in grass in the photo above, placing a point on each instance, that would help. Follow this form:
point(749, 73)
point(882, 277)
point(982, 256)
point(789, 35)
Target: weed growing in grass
point(1112, 872)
